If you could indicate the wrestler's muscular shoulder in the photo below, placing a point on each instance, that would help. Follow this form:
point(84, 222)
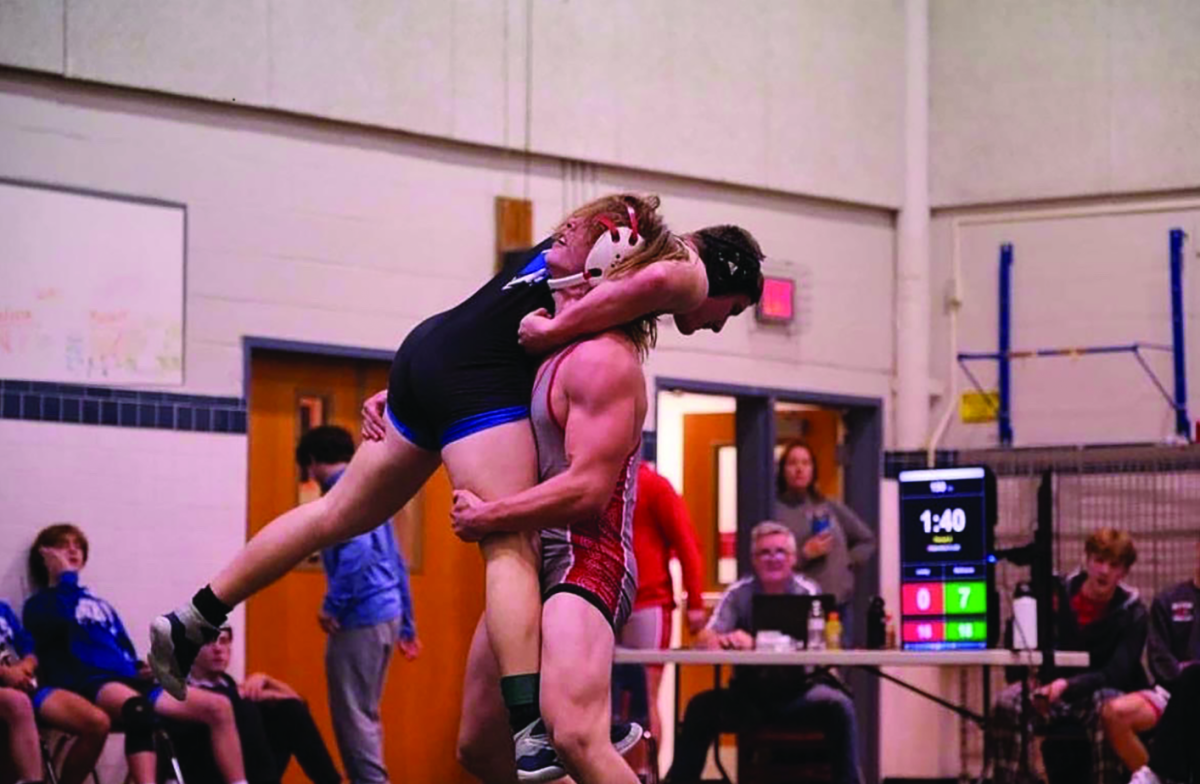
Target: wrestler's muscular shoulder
point(603, 365)
point(601, 381)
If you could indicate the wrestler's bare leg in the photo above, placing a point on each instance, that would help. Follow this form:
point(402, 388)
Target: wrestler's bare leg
point(494, 463)
point(577, 653)
point(381, 477)
point(485, 746)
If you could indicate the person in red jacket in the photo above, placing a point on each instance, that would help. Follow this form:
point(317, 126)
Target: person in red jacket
point(662, 529)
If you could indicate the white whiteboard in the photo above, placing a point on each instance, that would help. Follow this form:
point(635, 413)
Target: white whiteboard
point(91, 288)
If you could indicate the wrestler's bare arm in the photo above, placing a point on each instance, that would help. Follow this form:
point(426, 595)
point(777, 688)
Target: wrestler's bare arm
point(663, 287)
point(603, 385)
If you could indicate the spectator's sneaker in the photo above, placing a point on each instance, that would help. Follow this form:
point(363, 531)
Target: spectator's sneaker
point(536, 758)
point(538, 761)
point(175, 639)
point(1145, 776)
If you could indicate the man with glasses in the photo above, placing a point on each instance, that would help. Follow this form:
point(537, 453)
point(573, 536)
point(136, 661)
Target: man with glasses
point(781, 696)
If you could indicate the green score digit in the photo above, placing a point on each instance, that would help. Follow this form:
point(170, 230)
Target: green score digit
point(965, 598)
point(966, 631)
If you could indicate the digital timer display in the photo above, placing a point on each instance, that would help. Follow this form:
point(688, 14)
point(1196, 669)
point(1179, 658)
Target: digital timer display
point(946, 523)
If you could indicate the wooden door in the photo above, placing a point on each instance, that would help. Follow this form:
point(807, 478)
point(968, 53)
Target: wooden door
point(821, 429)
point(703, 435)
point(422, 700)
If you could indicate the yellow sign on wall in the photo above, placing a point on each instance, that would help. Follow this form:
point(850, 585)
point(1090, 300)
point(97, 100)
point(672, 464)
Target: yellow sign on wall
point(978, 407)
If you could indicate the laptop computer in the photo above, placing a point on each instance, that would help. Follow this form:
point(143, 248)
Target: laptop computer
point(786, 612)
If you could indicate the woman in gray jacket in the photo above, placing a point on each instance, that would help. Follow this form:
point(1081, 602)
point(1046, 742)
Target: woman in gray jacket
point(832, 540)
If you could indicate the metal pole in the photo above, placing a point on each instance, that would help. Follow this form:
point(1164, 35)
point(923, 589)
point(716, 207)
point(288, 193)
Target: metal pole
point(1005, 418)
point(1042, 574)
point(1182, 426)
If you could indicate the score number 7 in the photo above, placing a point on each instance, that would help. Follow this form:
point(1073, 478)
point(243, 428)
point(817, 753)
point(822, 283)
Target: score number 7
point(964, 596)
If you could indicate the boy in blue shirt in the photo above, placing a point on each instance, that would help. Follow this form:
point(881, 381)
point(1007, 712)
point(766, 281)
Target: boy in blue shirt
point(82, 647)
point(367, 611)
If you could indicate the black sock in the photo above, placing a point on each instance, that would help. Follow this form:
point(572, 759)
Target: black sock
point(521, 697)
point(213, 609)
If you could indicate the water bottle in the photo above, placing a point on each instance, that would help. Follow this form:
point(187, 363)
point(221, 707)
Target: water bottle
point(876, 624)
point(1025, 612)
point(816, 627)
point(833, 632)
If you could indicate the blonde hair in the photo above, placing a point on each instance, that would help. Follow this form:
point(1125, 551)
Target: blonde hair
point(659, 245)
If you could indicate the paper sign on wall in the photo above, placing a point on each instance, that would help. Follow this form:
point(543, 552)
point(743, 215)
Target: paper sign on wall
point(91, 287)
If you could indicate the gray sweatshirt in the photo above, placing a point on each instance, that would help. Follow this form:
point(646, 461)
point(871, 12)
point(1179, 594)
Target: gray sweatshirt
point(853, 541)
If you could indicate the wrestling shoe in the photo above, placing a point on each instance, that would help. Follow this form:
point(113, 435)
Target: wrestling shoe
point(538, 761)
point(175, 639)
point(536, 758)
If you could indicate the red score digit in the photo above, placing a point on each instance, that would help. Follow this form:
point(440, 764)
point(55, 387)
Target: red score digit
point(922, 599)
point(924, 631)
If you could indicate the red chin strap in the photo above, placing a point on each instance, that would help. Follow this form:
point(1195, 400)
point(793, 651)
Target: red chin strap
point(611, 225)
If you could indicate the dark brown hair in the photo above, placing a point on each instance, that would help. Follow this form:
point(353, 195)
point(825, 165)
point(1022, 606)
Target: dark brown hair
point(732, 260)
point(781, 483)
point(51, 536)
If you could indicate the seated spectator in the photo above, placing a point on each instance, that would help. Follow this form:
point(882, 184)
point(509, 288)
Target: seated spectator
point(272, 719)
point(82, 647)
point(776, 696)
point(1173, 644)
point(23, 702)
point(1095, 613)
point(1175, 752)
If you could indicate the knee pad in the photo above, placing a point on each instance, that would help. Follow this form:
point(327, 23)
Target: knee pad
point(137, 722)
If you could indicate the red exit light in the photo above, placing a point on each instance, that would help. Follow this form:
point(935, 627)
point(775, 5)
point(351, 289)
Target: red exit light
point(778, 303)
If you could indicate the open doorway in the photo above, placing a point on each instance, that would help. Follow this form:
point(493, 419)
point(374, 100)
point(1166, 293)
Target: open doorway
point(719, 444)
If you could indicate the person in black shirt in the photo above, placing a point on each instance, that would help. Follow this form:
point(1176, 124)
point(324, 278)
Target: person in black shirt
point(1096, 613)
point(273, 722)
point(1173, 645)
point(1174, 752)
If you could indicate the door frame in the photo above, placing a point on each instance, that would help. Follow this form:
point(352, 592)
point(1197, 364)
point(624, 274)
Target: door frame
point(251, 343)
point(863, 474)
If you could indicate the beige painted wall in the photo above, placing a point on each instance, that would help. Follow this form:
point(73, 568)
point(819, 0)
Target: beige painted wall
point(796, 97)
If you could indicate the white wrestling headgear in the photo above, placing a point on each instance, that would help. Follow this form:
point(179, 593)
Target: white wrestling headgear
point(615, 244)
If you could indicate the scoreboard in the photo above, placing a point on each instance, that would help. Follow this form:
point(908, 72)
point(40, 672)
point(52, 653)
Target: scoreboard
point(947, 518)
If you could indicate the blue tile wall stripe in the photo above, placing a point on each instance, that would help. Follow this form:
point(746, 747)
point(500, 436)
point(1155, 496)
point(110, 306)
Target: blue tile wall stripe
point(91, 405)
